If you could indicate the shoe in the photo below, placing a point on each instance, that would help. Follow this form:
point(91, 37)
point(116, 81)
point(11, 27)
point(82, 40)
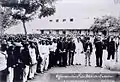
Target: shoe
point(63, 65)
point(30, 78)
point(46, 69)
point(100, 66)
point(96, 66)
point(79, 64)
point(41, 72)
point(33, 78)
point(36, 73)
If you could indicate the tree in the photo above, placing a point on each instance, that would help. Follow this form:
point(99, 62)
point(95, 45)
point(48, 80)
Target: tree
point(26, 10)
point(106, 23)
point(6, 19)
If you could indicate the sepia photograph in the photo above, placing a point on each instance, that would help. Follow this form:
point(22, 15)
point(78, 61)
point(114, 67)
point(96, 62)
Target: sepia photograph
point(59, 40)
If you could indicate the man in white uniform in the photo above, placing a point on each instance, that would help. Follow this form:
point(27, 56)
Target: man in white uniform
point(33, 67)
point(44, 53)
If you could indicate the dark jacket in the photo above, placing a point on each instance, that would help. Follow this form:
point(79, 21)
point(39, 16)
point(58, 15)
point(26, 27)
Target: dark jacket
point(26, 56)
point(71, 46)
point(105, 43)
point(111, 46)
point(62, 46)
point(17, 55)
point(86, 46)
point(11, 58)
point(99, 46)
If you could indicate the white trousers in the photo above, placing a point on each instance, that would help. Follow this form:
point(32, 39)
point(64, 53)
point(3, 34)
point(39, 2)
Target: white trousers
point(33, 69)
point(45, 62)
point(10, 75)
point(25, 73)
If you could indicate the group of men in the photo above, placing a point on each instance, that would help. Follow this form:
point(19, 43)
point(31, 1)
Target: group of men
point(22, 59)
point(110, 44)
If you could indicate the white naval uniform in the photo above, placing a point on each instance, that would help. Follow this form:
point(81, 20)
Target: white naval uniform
point(33, 68)
point(44, 53)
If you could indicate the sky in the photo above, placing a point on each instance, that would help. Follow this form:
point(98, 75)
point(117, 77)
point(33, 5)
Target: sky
point(82, 11)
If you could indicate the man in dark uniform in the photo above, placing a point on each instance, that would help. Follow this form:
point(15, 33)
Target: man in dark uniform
point(99, 52)
point(105, 42)
point(62, 52)
point(57, 55)
point(111, 49)
point(18, 70)
point(26, 60)
point(71, 49)
point(10, 62)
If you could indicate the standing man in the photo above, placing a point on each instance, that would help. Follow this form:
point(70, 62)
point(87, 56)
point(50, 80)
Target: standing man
point(51, 55)
point(26, 61)
point(33, 66)
point(54, 49)
point(111, 47)
point(88, 51)
point(62, 52)
point(44, 54)
point(3, 63)
point(71, 49)
point(18, 70)
point(10, 62)
point(99, 52)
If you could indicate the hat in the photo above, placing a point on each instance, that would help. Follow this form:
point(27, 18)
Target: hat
point(18, 44)
point(9, 44)
point(31, 41)
point(4, 42)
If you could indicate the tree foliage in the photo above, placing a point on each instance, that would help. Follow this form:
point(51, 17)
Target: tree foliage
point(6, 19)
point(26, 10)
point(106, 23)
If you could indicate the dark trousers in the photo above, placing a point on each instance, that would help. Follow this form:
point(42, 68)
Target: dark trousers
point(87, 57)
point(111, 53)
point(63, 59)
point(99, 59)
point(51, 59)
point(71, 57)
point(56, 58)
point(18, 74)
point(3, 75)
point(38, 64)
